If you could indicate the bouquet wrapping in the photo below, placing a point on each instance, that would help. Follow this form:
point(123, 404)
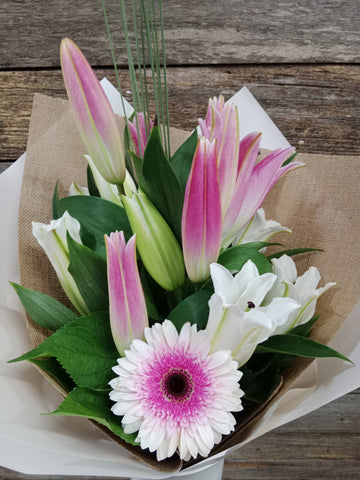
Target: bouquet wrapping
point(319, 203)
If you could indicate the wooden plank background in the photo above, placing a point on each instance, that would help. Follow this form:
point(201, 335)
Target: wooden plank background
point(299, 59)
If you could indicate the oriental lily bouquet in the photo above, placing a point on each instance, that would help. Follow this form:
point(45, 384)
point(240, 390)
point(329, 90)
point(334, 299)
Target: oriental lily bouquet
point(179, 323)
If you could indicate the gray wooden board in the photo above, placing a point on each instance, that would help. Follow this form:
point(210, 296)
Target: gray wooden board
point(210, 32)
point(317, 107)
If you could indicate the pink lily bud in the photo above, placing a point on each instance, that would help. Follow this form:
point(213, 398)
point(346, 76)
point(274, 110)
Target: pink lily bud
point(128, 315)
point(222, 124)
point(140, 129)
point(201, 216)
point(93, 114)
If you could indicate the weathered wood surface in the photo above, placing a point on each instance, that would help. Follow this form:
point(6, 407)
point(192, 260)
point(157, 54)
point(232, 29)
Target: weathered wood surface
point(211, 32)
point(317, 107)
point(301, 60)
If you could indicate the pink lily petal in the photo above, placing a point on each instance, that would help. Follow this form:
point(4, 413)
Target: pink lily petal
point(248, 152)
point(201, 218)
point(93, 114)
point(222, 124)
point(128, 315)
point(263, 177)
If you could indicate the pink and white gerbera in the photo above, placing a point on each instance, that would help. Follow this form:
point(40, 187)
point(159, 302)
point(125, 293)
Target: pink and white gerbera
point(174, 394)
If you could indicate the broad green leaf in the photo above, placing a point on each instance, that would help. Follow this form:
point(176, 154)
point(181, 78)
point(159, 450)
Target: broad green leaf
point(43, 309)
point(293, 251)
point(55, 370)
point(89, 271)
point(93, 190)
point(182, 159)
point(194, 309)
point(299, 346)
point(234, 258)
point(97, 218)
point(95, 405)
point(161, 183)
point(84, 348)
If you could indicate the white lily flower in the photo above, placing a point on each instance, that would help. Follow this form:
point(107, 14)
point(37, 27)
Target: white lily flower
point(302, 289)
point(52, 238)
point(107, 190)
point(259, 230)
point(76, 190)
point(237, 320)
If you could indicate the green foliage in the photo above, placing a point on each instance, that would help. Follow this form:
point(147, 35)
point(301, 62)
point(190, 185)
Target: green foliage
point(160, 183)
point(89, 272)
point(182, 159)
point(95, 405)
point(298, 345)
point(293, 251)
point(193, 309)
point(52, 367)
point(93, 190)
point(84, 348)
point(234, 258)
point(97, 217)
point(43, 309)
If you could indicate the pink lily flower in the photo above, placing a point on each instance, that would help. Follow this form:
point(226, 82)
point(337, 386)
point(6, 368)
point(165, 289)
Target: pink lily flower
point(243, 182)
point(140, 129)
point(201, 217)
point(93, 114)
point(128, 315)
point(254, 181)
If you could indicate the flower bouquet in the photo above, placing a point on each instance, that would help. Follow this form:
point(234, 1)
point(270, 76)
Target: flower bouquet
point(177, 323)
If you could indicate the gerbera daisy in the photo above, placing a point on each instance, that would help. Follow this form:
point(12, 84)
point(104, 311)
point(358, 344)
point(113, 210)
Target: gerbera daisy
point(174, 394)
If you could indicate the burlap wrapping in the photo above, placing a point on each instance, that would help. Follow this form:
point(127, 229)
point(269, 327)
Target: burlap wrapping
point(320, 203)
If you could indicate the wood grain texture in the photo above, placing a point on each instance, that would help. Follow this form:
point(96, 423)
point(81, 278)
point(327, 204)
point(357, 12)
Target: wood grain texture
point(211, 32)
point(316, 107)
point(323, 444)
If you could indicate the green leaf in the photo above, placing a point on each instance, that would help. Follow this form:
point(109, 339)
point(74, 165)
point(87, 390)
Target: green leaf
point(299, 346)
point(234, 258)
point(136, 166)
point(290, 159)
point(89, 272)
point(43, 309)
point(149, 298)
point(257, 245)
point(52, 367)
point(182, 159)
point(194, 309)
point(293, 251)
point(259, 386)
point(55, 201)
point(93, 190)
point(95, 405)
point(84, 348)
point(305, 328)
point(161, 184)
point(97, 218)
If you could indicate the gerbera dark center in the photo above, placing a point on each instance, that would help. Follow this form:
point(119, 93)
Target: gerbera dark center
point(177, 385)
point(251, 305)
